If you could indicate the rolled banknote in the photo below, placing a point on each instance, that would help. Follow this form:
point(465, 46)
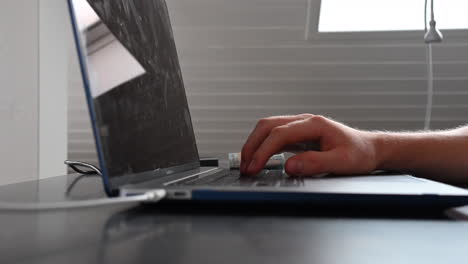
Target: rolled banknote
point(276, 162)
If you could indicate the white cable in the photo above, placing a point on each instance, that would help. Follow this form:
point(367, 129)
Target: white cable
point(430, 87)
point(430, 71)
point(432, 10)
point(151, 196)
point(425, 16)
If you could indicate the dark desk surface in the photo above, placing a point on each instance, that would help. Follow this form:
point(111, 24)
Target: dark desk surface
point(123, 234)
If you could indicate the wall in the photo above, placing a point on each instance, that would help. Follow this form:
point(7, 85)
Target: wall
point(246, 59)
point(31, 98)
point(19, 77)
point(55, 47)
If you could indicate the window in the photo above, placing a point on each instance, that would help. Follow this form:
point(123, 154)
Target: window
point(389, 15)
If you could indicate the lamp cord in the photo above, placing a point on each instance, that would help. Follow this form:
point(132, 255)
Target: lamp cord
point(430, 87)
point(430, 70)
point(425, 16)
point(432, 10)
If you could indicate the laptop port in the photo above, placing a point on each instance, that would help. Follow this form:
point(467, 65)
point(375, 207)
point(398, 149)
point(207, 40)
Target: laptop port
point(179, 195)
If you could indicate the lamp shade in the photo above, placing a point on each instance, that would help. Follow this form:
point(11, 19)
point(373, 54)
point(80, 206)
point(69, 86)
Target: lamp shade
point(433, 35)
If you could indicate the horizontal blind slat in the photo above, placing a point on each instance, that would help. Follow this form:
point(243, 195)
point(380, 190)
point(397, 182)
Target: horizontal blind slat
point(249, 60)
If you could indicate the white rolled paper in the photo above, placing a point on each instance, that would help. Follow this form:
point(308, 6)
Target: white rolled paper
point(276, 162)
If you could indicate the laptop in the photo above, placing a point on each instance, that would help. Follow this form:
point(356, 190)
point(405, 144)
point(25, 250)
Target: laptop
point(143, 129)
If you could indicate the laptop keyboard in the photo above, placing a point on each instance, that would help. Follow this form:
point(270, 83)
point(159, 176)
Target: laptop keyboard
point(266, 178)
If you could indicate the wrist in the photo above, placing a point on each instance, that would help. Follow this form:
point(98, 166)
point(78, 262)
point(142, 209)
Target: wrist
point(380, 143)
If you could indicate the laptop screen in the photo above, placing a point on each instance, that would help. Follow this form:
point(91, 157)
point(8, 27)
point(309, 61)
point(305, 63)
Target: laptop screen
point(134, 88)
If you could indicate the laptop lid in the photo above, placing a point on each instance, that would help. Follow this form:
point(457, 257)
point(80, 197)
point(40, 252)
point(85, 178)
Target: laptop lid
point(134, 88)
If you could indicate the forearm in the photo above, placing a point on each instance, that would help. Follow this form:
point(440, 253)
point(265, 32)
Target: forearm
point(441, 155)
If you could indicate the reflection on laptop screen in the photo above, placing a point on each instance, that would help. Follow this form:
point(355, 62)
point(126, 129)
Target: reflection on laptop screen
point(140, 107)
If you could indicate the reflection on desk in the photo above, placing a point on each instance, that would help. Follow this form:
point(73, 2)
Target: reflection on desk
point(151, 234)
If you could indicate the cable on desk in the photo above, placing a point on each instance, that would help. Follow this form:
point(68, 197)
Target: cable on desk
point(76, 180)
point(89, 170)
point(151, 196)
point(75, 165)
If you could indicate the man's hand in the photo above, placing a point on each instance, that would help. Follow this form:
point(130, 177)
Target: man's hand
point(439, 155)
point(343, 150)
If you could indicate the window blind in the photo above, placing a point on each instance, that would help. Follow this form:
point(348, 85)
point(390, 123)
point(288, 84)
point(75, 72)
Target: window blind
point(246, 59)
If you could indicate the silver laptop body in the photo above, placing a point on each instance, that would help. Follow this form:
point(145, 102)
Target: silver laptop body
point(143, 129)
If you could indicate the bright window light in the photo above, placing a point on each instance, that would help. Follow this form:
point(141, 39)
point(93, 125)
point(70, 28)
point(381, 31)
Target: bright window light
point(389, 15)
